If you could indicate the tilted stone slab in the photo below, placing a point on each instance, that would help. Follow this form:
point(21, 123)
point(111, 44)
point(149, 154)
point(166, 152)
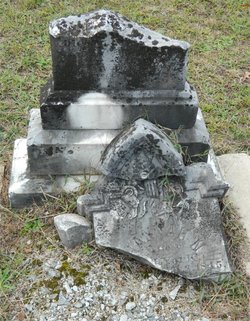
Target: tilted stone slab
point(105, 64)
point(76, 152)
point(168, 216)
point(142, 151)
point(177, 231)
point(25, 188)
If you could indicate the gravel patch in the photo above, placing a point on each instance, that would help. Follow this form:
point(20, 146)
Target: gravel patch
point(107, 287)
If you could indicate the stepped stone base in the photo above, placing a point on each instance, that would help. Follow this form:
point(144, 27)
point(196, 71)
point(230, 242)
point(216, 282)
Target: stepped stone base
point(72, 109)
point(41, 162)
point(58, 152)
point(26, 188)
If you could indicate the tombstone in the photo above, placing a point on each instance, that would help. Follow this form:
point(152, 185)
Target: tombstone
point(107, 72)
point(104, 63)
point(118, 109)
point(152, 207)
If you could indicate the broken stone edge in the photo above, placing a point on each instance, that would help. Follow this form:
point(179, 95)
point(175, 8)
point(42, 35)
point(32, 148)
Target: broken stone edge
point(85, 26)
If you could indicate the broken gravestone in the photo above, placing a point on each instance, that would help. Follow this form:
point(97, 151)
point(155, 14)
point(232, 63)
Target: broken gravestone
point(152, 207)
point(109, 74)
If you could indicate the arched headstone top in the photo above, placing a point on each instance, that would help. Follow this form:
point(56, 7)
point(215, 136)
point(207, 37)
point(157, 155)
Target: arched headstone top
point(140, 152)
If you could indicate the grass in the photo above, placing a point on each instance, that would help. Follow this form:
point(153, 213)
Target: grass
point(218, 68)
point(217, 31)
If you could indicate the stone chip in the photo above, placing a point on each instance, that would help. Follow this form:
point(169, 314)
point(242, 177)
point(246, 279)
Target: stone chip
point(73, 229)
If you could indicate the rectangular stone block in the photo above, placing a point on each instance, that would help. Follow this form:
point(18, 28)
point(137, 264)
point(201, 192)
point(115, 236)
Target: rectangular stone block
point(79, 151)
point(114, 109)
point(26, 188)
point(65, 152)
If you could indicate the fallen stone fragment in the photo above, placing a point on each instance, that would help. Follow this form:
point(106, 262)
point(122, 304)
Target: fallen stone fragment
point(152, 207)
point(174, 292)
point(141, 152)
point(73, 229)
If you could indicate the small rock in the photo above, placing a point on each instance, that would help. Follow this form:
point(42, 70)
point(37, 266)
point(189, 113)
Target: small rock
point(174, 292)
point(73, 229)
point(130, 306)
point(29, 307)
point(78, 305)
point(67, 287)
point(112, 302)
point(124, 317)
point(62, 299)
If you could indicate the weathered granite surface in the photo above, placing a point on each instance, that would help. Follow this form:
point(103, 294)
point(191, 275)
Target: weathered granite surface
point(172, 230)
point(88, 110)
point(167, 219)
point(73, 229)
point(142, 151)
point(105, 64)
point(104, 50)
point(25, 188)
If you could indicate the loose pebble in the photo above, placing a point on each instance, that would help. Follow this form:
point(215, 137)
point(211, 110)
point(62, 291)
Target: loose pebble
point(107, 294)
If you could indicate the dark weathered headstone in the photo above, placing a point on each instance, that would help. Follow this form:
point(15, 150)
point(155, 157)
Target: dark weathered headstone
point(171, 222)
point(104, 50)
point(105, 64)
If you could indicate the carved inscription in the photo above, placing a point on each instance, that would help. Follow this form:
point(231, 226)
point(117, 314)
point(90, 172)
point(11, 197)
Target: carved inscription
point(167, 229)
